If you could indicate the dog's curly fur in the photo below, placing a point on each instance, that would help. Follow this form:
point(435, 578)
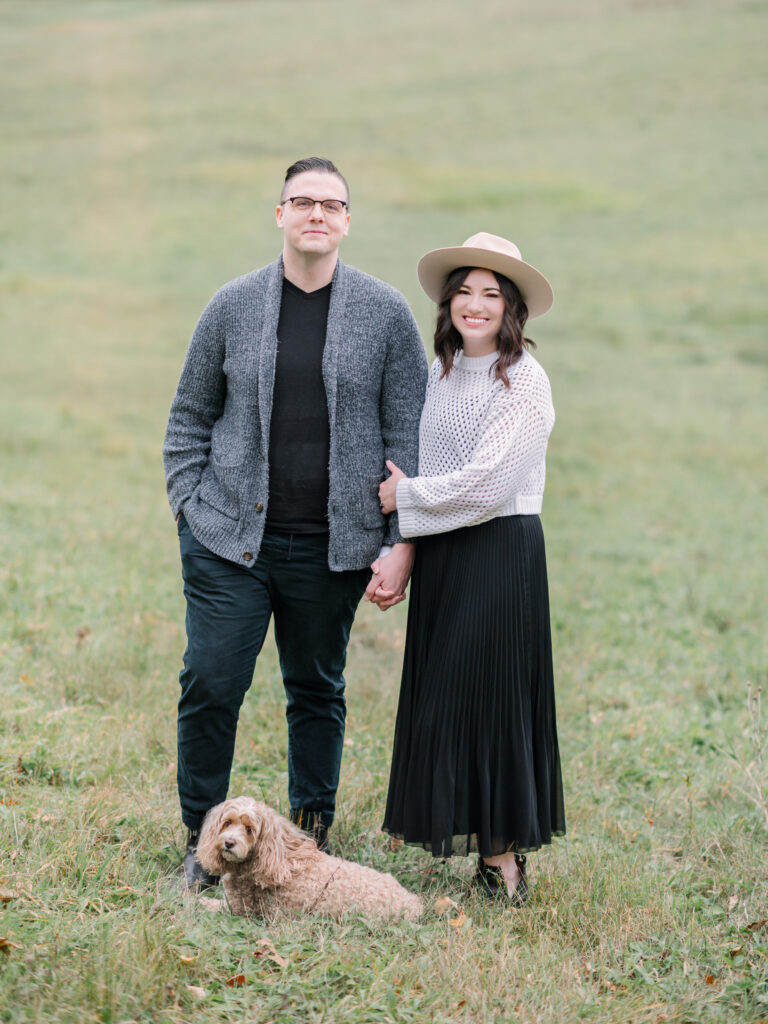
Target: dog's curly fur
point(267, 863)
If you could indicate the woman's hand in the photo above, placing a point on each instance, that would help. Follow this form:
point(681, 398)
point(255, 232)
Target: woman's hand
point(390, 577)
point(388, 488)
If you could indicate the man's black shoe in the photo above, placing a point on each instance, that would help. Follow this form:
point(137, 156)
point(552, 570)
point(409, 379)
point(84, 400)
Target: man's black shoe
point(193, 876)
point(311, 822)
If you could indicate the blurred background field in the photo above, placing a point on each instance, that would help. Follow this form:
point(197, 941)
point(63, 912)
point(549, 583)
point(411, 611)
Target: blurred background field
point(622, 144)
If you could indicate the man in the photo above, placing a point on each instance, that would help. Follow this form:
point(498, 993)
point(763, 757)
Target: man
point(301, 379)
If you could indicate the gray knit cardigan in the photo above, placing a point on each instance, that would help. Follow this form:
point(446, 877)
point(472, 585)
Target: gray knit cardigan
point(217, 440)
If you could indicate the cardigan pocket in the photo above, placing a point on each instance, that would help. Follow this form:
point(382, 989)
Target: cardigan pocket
point(365, 506)
point(219, 488)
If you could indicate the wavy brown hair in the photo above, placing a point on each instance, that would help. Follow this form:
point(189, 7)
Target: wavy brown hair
point(512, 342)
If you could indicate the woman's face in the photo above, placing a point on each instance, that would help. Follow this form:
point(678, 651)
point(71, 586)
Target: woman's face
point(477, 309)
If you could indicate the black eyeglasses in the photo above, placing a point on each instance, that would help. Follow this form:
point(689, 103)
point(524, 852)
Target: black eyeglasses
point(304, 204)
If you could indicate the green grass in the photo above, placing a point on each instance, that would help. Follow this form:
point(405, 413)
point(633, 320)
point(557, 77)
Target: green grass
point(622, 144)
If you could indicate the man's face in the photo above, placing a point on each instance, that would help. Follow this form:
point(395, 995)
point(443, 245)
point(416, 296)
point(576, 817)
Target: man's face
point(313, 231)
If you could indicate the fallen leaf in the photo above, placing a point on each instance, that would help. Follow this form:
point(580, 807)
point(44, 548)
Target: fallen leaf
point(236, 981)
point(210, 903)
point(268, 950)
point(733, 900)
point(444, 904)
point(710, 979)
point(6, 895)
point(6, 945)
point(196, 991)
point(187, 959)
point(458, 922)
point(755, 926)
point(737, 951)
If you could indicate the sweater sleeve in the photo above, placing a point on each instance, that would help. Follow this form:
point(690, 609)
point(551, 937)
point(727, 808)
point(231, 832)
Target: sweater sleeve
point(196, 406)
point(402, 397)
point(512, 440)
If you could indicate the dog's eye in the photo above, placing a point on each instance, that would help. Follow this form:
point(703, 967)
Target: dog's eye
point(227, 823)
point(248, 830)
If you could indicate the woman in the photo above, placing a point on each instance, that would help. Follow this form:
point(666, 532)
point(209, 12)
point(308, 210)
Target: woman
point(475, 765)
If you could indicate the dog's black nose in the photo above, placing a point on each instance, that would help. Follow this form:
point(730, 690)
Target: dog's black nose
point(229, 844)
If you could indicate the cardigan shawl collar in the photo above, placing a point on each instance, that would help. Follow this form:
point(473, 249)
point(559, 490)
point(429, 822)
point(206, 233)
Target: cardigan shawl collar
point(268, 345)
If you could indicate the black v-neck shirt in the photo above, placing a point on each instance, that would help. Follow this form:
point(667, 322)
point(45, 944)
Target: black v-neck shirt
point(299, 436)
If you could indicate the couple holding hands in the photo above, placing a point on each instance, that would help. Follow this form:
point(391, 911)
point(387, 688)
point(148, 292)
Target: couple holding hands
point(304, 385)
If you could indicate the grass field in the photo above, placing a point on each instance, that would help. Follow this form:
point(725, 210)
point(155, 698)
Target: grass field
point(622, 144)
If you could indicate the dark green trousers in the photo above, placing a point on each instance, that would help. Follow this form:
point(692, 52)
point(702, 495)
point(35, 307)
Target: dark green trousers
point(229, 608)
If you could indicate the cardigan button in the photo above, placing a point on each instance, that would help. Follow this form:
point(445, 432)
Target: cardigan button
point(259, 507)
point(248, 557)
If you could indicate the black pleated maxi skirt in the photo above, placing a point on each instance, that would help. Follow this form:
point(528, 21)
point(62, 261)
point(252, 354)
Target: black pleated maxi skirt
point(476, 764)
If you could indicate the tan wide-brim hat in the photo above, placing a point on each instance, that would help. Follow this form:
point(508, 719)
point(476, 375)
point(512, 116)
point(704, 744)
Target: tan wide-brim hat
point(490, 252)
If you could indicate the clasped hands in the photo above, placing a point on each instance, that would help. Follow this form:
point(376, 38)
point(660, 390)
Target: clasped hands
point(391, 572)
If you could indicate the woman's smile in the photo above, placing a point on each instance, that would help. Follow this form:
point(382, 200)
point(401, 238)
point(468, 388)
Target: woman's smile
point(477, 309)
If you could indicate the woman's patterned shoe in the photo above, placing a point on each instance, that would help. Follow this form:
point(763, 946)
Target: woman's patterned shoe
point(521, 895)
point(489, 881)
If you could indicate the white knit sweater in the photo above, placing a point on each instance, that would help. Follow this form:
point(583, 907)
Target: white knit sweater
point(481, 446)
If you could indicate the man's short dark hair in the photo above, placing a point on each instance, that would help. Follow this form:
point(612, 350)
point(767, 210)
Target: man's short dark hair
point(314, 163)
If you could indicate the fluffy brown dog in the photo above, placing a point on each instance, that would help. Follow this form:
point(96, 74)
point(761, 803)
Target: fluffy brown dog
point(266, 862)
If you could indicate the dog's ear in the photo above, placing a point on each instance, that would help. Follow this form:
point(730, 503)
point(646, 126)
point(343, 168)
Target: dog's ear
point(207, 848)
point(271, 863)
point(251, 826)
